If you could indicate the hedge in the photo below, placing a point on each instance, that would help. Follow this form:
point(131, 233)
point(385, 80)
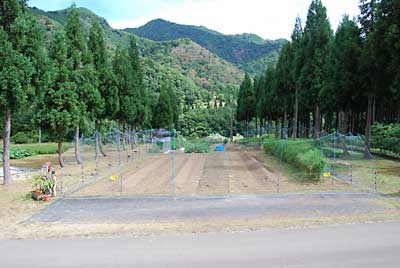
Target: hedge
point(302, 155)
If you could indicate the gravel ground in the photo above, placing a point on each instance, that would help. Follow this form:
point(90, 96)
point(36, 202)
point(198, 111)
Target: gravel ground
point(169, 209)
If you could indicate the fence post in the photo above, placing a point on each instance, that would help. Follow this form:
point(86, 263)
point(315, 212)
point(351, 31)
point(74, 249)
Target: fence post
point(334, 150)
point(173, 148)
point(82, 167)
point(280, 167)
point(62, 181)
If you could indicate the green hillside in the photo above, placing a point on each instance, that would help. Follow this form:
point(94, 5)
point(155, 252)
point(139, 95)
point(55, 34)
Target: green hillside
point(244, 51)
point(196, 74)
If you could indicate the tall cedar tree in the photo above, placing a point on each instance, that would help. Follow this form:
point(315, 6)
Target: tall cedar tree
point(343, 81)
point(296, 65)
point(16, 68)
point(107, 84)
point(164, 110)
point(59, 104)
point(317, 35)
point(83, 74)
point(370, 69)
point(246, 101)
point(139, 112)
point(284, 82)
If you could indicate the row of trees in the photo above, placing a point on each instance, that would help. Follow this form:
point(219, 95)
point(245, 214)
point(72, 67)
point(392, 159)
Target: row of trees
point(71, 80)
point(324, 81)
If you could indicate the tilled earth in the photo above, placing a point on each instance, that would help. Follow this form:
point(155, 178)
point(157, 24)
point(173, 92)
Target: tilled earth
point(237, 171)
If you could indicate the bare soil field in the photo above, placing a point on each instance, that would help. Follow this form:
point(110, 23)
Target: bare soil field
point(238, 171)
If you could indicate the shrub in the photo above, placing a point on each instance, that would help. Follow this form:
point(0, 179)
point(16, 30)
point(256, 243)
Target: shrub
point(386, 138)
point(18, 153)
point(312, 161)
point(300, 154)
point(197, 147)
point(25, 137)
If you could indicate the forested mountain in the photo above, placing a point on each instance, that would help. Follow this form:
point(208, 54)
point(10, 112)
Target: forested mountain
point(197, 75)
point(248, 52)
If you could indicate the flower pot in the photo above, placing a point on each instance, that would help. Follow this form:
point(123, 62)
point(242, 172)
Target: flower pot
point(46, 198)
point(37, 195)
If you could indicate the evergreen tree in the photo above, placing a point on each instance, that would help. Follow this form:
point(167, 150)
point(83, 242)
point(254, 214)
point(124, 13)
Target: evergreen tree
point(59, 104)
point(369, 63)
point(82, 74)
point(317, 38)
point(121, 67)
point(297, 63)
point(246, 102)
point(15, 74)
point(108, 105)
point(16, 67)
point(284, 82)
point(343, 82)
point(139, 111)
point(164, 111)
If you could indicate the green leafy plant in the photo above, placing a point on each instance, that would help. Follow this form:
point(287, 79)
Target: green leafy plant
point(300, 154)
point(42, 183)
point(18, 153)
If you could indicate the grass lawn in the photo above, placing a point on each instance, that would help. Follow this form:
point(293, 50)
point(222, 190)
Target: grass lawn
point(34, 155)
point(41, 148)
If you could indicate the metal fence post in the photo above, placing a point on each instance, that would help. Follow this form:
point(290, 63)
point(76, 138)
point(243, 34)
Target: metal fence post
point(173, 148)
point(280, 167)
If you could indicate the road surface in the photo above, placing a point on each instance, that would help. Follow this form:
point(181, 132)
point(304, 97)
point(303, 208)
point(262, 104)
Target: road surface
point(168, 209)
point(358, 245)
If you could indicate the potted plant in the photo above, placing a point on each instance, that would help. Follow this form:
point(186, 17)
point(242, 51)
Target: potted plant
point(42, 187)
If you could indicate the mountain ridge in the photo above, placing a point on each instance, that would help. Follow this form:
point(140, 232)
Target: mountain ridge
point(196, 73)
point(248, 52)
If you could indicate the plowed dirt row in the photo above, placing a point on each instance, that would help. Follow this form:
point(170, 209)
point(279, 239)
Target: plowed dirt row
point(237, 171)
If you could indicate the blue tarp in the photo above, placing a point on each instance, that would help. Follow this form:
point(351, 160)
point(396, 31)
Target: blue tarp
point(219, 148)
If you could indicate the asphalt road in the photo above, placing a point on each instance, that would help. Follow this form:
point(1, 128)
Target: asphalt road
point(159, 209)
point(358, 245)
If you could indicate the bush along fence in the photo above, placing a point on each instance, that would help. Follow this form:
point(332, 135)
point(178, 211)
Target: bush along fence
point(342, 159)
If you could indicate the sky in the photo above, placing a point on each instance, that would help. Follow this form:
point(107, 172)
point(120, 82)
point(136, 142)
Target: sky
point(270, 19)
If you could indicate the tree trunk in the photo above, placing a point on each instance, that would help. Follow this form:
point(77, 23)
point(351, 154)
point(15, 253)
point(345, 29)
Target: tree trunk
point(373, 110)
point(40, 135)
point(256, 126)
point(284, 122)
point(101, 143)
point(231, 130)
point(296, 113)
point(97, 140)
point(60, 151)
point(77, 147)
point(367, 153)
point(6, 149)
point(123, 138)
point(317, 121)
point(133, 138)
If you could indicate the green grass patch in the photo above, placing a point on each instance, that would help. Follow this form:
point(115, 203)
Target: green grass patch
point(41, 148)
point(196, 146)
point(302, 154)
point(19, 151)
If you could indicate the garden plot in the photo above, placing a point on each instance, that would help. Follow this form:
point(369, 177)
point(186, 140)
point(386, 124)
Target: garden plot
point(240, 170)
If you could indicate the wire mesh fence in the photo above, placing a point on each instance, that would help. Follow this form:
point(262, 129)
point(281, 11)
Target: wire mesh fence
point(335, 162)
point(160, 163)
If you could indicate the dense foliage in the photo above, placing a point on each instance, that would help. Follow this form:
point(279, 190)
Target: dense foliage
point(386, 138)
point(243, 51)
point(325, 81)
point(301, 154)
